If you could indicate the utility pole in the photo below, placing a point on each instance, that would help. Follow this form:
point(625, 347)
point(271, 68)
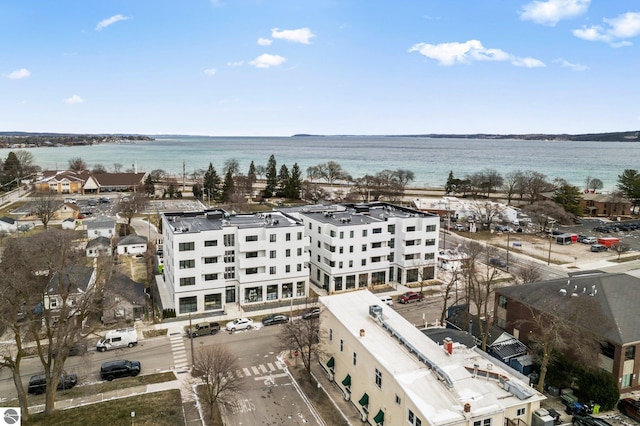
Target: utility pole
point(191, 338)
point(183, 175)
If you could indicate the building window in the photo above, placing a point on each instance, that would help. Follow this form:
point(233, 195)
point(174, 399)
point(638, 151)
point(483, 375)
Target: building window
point(341, 345)
point(249, 238)
point(376, 245)
point(502, 302)
point(413, 419)
point(186, 246)
point(253, 294)
point(630, 353)
point(351, 234)
point(251, 254)
point(287, 236)
point(342, 235)
point(332, 233)
point(229, 272)
point(350, 249)
point(252, 271)
point(229, 256)
point(429, 256)
point(364, 247)
point(430, 242)
point(377, 230)
point(210, 277)
point(521, 411)
point(351, 264)
point(484, 422)
point(299, 251)
point(287, 268)
point(187, 264)
point(410, 243)
point(411, 228)
point(212, 301)
point(185, 281)
point(331, 334)
point(272, 292)
point(502, 323)
point(391, 229)
point(229, 240)
point(287, 253)
point(299, 235)
point(337, 282)
point(211, 243)
point(272, 270)
point(287, 290)
point(272, 254)
point(363, 262)
point(299, 267)
point(209, 260)
point(431, 228)
point(188, 304)
point(364, 232)
point(230, 294)
point(378, 378)
point(626, 380)
point(355, 358)
point(398, 400)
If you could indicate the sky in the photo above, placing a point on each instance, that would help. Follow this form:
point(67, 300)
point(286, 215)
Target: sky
point(334, 67)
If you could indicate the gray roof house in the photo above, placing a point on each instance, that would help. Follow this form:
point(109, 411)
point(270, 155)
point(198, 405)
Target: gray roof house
point(100, 246)
point(603, 304)
point(132, 244)
point(8, 224)
point(101, 226)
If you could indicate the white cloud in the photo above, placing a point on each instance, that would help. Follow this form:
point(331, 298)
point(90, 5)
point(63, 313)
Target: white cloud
point(465, 53)
point(574, 67)
point(267, 61)
point(110, 21)
point(551, 11)
point(616, 31)
point(18, 74)
point(210, 71)
point(301, 35)
point(75, 99)
point(264, 41)
point(235, 64)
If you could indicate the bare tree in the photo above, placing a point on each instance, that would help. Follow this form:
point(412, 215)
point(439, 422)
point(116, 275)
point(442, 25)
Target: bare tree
point(77, 164)
point(331, 171)
point(26, 166)
point(510, 184)
point(130, 205)
point(486, 211)
point(446, 295)
point(536, 184)
point(117, 167)
point(543, 212)
point(261, 171)
point(231, 165)
point(46, 206)
point(99, 168)
point(212, 365)
point(529, 273)
point(302, 335)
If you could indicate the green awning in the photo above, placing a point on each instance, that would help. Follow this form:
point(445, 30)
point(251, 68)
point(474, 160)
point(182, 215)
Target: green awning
point(364, 401)
point(331, 362)
point(379, 418)
point(347, 380)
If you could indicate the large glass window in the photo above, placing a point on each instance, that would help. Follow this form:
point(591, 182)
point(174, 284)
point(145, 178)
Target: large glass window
point(252, 254)
point(229, 272)
point(188, 304)
point(211, 243)
point(229, 240)
point(377, 277)
point(230, 294)
point(351, 282)
point(338, 283)
point(252, 271)
point(431, 228)
point(272, 292)
point(186, 246)
point(229, 256)
point(249, 238)
point(210, 277)
point(212, 301)
point(253, 294)
point(287, 290)
point(630, 352)
point(186, 264)
point(209, 260)
point(186, 281)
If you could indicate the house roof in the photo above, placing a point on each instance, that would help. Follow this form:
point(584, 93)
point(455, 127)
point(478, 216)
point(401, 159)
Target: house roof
point(76, 277)
point(100, 222)
point(615, 296)
point(60, 175)
point(99, 242)
point(132, 239)
point(8, 220)
point(603, 198)
point(118, 179)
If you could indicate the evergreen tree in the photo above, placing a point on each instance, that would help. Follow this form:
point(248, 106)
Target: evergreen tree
point(197, 190)
point(283, 180)
point(227, 187)
point(149, 186)
point(211, 185)
point(252, 172)
point(569, 197)
point(11, 169)
point(294, 184)
point(450, 185)
point(272, 177)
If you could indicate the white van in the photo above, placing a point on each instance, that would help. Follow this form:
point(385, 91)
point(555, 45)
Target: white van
point(387, 299)
point(118, 339)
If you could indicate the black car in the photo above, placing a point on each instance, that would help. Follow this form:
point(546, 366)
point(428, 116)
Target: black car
point(630, 407)
point(311, 313)
point(589, 421)
point(121, 368)
point(275, 319)
point(497, 262)
point(38, 383)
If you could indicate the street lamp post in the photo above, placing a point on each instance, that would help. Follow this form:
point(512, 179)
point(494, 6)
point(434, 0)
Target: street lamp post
point(551, 223)
point(508, 243)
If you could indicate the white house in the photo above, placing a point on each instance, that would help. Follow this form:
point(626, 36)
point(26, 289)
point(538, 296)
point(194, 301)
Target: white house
point(8, 224)
point(395, 375)
point(101, 226)
point(362, 245)
point(212, 259)
point(100, 246)
point(69, 286)
point(132, 245)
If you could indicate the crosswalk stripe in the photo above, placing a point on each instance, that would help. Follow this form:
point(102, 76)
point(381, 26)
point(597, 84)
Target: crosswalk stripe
point(255, 370)
point(246, 372)
point(271, 367)
point(262, 368)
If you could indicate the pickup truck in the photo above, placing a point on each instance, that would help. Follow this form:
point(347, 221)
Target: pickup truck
point(203, 328)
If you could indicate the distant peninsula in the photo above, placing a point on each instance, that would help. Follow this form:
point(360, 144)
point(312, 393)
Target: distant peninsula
point(632, 136)
point(33, 140)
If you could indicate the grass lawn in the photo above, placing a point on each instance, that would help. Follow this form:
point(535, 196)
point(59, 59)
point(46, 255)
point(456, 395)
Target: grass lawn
point(158, 409)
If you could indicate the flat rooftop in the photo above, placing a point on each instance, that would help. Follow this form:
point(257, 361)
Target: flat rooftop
point(208, 220)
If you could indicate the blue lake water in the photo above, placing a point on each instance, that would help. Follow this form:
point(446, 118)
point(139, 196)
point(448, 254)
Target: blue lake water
point(429, 159)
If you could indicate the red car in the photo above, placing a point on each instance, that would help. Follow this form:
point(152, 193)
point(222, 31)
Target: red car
point(630, 407)
point(410, 296)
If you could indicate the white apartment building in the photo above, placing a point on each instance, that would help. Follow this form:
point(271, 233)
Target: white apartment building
point(360, 245)
point(395, 375)
point(212, 259)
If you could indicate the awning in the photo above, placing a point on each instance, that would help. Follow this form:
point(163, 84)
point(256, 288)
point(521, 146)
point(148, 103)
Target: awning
point(379, 418)
point(331, 362)
point(347, 380)
point(364, 401)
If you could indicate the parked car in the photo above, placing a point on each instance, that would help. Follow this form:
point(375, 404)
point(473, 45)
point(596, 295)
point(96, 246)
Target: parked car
point(386, 299)
point(410, 296)
point(38, 383)
point(203, 328)
point(240, 324)
point(311, 313)
point(630, 407)
point(589, 240)
point(589, 421)
point(121, 368)
point(274, 319)
point(494, 261)
point(598, 247)
point(92, 202)
point(458, 227)
point(104, 200)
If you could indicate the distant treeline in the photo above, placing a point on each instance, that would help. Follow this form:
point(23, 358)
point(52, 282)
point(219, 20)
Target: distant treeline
point(598, 137)
point(9, 139)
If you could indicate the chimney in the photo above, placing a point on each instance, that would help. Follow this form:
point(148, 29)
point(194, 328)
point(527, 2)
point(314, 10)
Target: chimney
point(362, 332)
point(467, 407)
point(448, 345)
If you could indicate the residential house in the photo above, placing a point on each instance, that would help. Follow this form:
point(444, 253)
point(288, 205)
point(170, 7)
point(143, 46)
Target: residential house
point(69, 287)
point(132, 245)
point(66, 211)
point(117, 182)
point(99, 246)
point(69, 224)
point(605, 205)
point(85, 182)
point(61, 181)
point(393, 374)
point(369, 244)
point(101, 226)
point(601, 304)
point(8, 225)
point(212, 259)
